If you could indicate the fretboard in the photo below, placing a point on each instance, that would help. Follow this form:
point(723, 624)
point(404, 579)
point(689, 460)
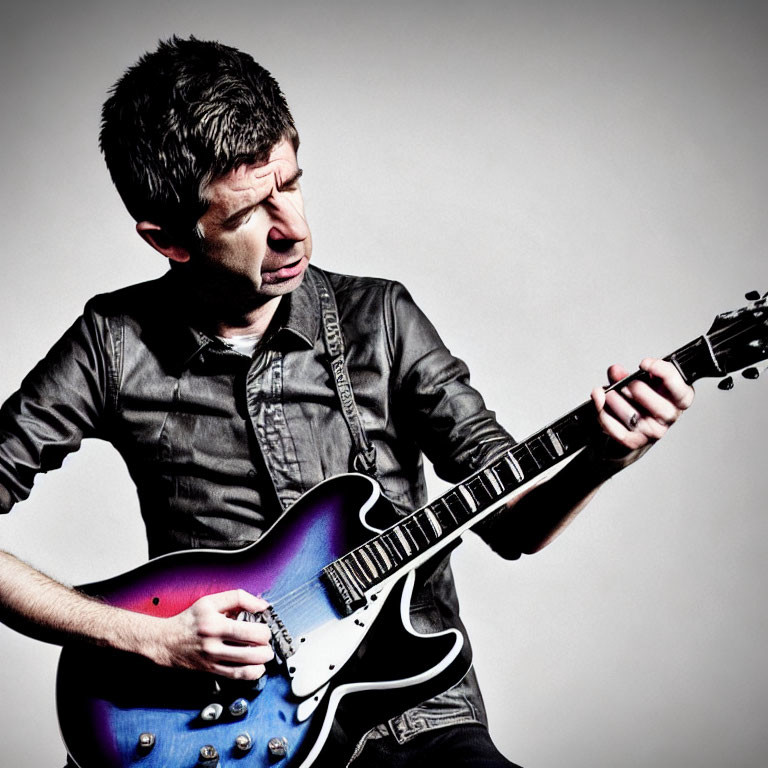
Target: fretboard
point(428, 529)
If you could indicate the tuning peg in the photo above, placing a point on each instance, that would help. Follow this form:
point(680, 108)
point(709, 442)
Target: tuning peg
point(752, 296)
point(750, 373)
point(726, 383)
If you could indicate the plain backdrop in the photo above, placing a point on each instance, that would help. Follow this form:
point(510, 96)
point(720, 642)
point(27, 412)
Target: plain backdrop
point(561, 185)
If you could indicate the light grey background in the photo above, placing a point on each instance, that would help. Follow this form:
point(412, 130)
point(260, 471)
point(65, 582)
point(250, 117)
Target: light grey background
point(561, 185)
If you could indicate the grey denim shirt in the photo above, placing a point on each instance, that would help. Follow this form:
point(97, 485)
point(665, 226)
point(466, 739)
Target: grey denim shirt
point(220, 445)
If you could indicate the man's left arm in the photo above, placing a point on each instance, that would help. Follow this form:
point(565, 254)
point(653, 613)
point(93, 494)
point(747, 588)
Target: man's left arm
point(632, 419)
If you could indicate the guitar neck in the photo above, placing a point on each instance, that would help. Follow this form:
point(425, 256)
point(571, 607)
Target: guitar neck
point(423, 533)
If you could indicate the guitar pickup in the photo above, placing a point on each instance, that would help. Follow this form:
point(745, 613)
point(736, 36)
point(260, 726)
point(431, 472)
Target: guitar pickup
point(344, 592)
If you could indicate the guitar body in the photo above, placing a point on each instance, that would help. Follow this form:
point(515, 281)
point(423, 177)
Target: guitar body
point(339, 676)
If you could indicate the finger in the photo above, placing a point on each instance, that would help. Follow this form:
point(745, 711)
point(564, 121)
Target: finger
point(248, 672)
point(233, 600)
point(622, 410)
point(656, 405)
point(664, 373)
point(617, 373)
point(246, 632)
point(239, 654)
point(612, 426)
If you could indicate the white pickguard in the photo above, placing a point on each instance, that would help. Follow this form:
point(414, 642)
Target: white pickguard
point(321, 653)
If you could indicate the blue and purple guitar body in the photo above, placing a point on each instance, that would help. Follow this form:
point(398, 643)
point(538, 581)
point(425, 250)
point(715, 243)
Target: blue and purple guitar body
point(339, 591)
point(118, 710)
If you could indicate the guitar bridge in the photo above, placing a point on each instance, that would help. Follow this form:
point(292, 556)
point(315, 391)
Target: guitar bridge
point(282, 642)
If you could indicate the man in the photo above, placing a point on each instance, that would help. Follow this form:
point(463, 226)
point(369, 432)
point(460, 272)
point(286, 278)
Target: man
point(214, 384)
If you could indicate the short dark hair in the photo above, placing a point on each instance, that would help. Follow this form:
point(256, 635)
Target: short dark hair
point(182, 116)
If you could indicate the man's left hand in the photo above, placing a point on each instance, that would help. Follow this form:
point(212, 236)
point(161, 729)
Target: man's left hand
point(640, 413)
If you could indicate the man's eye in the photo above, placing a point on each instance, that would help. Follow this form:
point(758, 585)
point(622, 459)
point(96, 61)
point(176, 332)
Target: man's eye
point(239, 221)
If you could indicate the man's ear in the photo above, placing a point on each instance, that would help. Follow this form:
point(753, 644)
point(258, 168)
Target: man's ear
point(161, 241)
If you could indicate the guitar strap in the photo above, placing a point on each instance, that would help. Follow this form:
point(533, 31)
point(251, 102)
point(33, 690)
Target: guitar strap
point(364, 459)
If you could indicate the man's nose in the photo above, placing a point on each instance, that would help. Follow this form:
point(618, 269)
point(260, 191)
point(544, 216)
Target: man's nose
point(288, 223)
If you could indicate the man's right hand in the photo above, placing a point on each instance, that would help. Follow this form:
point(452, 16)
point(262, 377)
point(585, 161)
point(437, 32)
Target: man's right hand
point(208, 637)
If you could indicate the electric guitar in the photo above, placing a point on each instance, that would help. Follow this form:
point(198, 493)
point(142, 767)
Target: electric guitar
point(339, 593)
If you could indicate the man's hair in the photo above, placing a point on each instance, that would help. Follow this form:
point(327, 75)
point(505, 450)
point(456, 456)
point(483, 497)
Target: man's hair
point(182, 116)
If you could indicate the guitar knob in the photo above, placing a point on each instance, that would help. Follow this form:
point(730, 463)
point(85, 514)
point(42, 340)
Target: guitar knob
point(146, 741)
point(278, 747)
point(209, 756)
point(750, 373)
point(243, 743)
point(726, 384)
point(212, 712)
point(238, 708)
point(752, 296)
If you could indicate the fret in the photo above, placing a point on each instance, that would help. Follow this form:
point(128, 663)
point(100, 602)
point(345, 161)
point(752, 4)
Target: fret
point(369, 549)
point(348, 577)
point(403, 541)
point(394, 553)
point(556, 444)
point(511, 462)
point(447, 507)
point(493, 479)
point(455, 506)
point(479, 492)
point(368, 562)
point(436, 527)
point(527, 460)
point(467, 497)
point(541, 451)
point(414, 543)
point(420, 518)
point(444, 515)
point(347, 574)
point(383, 556)
point(366, 578)
point(360, 576)
point(416, 526)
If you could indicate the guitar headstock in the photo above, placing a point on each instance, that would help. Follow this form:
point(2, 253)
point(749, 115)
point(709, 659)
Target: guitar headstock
point(738, 340)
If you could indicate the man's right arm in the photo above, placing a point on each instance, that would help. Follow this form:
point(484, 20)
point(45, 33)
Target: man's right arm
point(64, 399)
point(204, 637)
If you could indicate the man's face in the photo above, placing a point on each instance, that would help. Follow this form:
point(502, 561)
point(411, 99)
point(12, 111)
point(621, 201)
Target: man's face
point(254, 231)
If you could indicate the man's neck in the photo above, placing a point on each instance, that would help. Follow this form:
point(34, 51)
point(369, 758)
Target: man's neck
point(217, 306)
point(254, 322)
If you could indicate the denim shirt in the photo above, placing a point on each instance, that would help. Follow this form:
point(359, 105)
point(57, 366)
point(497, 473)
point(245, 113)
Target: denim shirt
point(220, 445)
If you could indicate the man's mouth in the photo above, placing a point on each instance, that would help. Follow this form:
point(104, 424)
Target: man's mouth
point(286, 272)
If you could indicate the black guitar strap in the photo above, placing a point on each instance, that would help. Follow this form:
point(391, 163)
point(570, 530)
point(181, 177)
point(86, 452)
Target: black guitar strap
point(365, 452)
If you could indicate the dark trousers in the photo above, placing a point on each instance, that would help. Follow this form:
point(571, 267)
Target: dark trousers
point(468, 746)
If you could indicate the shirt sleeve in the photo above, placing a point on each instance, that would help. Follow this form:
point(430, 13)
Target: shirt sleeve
point(454, 428)
point(60, 402)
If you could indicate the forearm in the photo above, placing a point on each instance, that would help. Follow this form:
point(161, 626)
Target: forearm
point(533, 520)
point(202, 637)
point(38, 606)
point(542, 514)
point(632, 419)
